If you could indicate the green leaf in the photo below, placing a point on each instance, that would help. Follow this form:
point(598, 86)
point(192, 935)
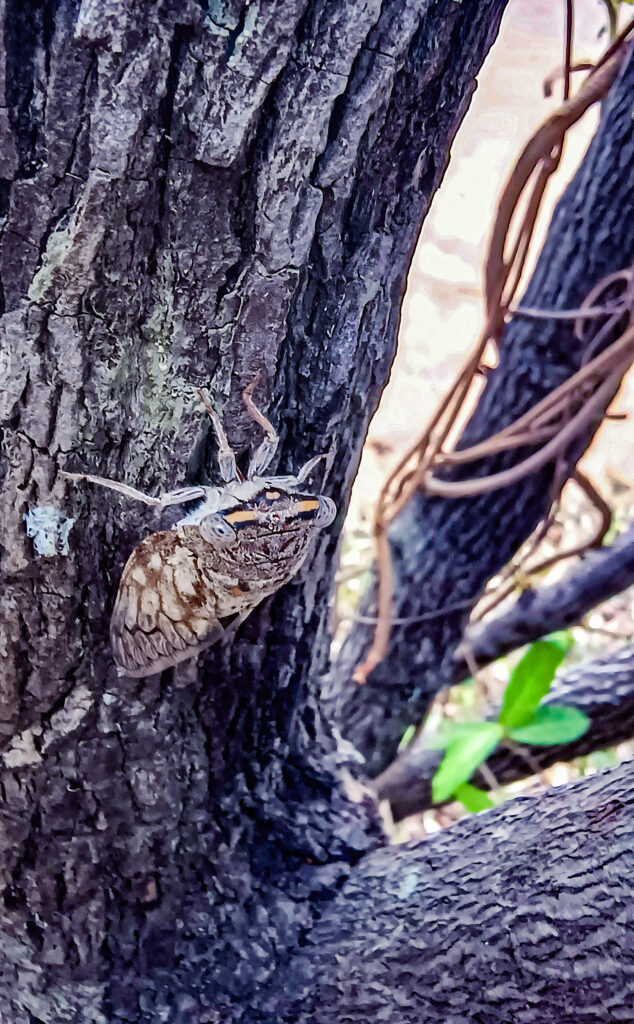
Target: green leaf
point(450, 732)
point(407, 737)
point(472, 798)
point(530, 681)
point(562, 638)
point(550, 725)
point(462, 759)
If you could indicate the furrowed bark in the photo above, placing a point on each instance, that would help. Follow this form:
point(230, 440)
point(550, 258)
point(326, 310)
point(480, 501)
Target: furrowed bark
point(190, 193)
point(603, 689)
point(521, 914)
point(444, 551)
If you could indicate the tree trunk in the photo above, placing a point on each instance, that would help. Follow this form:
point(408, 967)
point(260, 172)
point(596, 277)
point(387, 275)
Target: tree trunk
point(192, 193)
point(189, 194)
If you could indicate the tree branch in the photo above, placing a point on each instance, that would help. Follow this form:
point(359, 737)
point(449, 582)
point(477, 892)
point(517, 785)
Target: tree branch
point(445, 550)
point(503, 917)
point(603, 689)
point(599, 576)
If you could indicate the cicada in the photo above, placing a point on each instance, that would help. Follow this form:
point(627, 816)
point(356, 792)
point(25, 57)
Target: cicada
point(184, 589)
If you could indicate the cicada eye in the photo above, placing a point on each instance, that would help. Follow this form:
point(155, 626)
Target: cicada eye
point(216, 530)
point(326, 511)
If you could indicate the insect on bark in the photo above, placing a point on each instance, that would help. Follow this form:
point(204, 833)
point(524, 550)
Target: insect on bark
point(183, 589)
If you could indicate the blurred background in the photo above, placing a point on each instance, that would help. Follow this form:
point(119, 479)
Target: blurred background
point(441, 320)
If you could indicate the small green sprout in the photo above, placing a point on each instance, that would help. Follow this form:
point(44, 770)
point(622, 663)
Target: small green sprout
point(522, 719)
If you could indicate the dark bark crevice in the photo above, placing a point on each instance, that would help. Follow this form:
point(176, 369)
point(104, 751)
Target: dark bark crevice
point(27, 37)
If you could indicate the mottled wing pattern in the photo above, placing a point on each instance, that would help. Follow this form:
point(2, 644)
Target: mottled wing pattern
point(165, 611)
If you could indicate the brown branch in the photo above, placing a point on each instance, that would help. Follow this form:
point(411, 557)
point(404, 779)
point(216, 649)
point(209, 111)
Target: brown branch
point(593, 408)
point(570, 14)
point(540, 147)
point(554, 76)
point(503, 590)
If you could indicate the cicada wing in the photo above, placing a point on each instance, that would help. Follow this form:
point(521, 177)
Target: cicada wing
point(165, 611)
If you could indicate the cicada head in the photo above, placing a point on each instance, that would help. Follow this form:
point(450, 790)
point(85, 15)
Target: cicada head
point(268, 513)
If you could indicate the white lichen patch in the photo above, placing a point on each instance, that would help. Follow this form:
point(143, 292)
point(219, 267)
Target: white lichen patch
point(22, 751)
point(49, 528)
point(70, 716)
point(58, 249)
point(149, 381)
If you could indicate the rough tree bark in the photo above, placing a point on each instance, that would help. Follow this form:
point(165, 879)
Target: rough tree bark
point(190, 193)
point(524, 915)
